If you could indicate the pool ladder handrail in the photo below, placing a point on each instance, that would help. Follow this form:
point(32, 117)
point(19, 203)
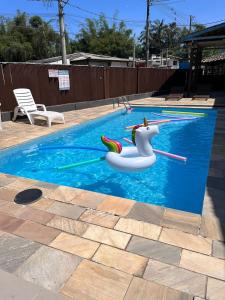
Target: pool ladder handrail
point(125, 102)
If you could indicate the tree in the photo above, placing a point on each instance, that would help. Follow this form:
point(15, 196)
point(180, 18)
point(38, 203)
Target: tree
point(99, 37)
point(167, 36)
point(27, 38)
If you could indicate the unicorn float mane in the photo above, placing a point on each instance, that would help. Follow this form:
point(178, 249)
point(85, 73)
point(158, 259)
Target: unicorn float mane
point(133, 134)
point(112, 145)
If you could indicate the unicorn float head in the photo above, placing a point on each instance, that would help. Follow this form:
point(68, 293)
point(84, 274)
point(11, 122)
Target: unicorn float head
point(135, 158)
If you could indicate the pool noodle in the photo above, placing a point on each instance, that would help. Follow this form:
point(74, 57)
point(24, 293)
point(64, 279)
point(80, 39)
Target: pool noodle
point(171, 155)
point(159, 121)
point(184, 113)
point(82, 163)
point(72, 147)
point(175, 156)
point(155, 122)
point(151, 122)
point(180, 120)
point(175, 117)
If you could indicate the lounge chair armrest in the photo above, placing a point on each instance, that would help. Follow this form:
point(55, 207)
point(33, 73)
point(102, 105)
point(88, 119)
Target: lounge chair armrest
point(42, 106)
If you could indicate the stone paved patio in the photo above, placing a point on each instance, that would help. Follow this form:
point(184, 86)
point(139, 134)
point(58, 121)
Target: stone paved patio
point(84, 245)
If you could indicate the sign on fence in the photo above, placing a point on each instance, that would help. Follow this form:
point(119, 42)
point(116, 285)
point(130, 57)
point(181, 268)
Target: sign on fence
point(63, 77)
point(64, 80)
point(53, 73)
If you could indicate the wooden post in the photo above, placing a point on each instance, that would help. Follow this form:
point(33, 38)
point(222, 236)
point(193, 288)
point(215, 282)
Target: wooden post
point(106, 85)
point(62, 31)
point(149, 2)
point(190, 73)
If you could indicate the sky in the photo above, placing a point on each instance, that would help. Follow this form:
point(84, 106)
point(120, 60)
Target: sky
point(132, 11)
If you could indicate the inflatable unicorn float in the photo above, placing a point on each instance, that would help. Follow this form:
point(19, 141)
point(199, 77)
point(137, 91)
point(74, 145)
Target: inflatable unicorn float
point(135, 158)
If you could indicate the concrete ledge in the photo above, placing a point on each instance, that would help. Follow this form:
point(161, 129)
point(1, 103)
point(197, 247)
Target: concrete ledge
point(7, 116)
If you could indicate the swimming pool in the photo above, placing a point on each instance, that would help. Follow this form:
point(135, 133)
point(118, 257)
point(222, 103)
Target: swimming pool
point(168, 182)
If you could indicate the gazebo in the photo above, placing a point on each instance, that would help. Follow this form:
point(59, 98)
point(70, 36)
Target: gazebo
point(210, 38)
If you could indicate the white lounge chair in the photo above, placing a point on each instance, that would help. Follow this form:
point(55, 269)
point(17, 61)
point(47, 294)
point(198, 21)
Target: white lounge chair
point(27, 106)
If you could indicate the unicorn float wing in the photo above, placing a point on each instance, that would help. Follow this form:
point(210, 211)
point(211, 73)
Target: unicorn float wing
point(135, 158)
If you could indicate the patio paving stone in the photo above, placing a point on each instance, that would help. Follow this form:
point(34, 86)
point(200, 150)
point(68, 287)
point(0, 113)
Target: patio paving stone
point(154, 249)
point(216, 172)
point(75, 245)
point(6, 179)
point(7, 194)
point(21, 184)
point(14, 288)
point(180, 220)
point(35, 215)
point(96, 282)
point(66, 210)
point(36, 232)
point(107, 236)
point(47, 295)
point(46, 185)
point(68, 225)
point(8, 223)
point(215, 289)
point(88, 199)
point(147, 213)
point(177, 278)
point(141, 289)
point(42, 203)
point(216, 182)
point(219, 249)
point(64, 194)
point(10, 208)
point(14, 251)
point(213, 228)
point(214, 208)
point(186, 240)
point(147, 230)
point(203, 264)
point(48, 268)
point(116, 205)
point(121, 260)
point(99, 218)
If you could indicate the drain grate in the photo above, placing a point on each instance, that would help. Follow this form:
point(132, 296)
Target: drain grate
point(28, 196)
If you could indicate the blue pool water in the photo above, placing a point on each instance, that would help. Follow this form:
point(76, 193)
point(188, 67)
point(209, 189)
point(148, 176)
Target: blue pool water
point(168, 182)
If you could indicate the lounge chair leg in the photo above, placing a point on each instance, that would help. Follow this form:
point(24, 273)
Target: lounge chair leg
point(31, 119)
point(15, 114)
point(49, 122)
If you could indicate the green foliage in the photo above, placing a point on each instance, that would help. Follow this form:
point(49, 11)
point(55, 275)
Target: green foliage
point(29, 38)
point(99, 37)
point(167, 36)
point(24, 38)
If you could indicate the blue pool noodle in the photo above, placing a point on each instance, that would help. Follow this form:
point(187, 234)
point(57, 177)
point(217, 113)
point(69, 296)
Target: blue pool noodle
point(72, 147)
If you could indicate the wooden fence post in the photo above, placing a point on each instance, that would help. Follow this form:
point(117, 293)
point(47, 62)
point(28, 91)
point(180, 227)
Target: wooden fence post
point(137, 83)
point(106, 83)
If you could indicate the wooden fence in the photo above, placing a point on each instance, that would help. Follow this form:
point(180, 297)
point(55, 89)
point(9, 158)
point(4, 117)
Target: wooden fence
point(86, 83)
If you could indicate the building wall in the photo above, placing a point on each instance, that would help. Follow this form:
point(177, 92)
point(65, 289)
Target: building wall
point(119, 64)
point(93, 63)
